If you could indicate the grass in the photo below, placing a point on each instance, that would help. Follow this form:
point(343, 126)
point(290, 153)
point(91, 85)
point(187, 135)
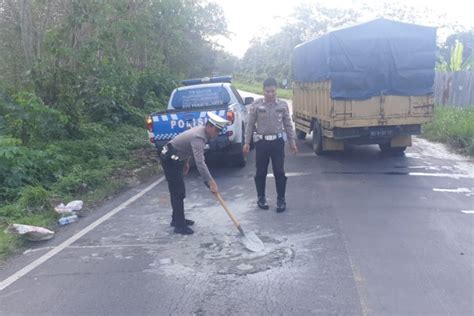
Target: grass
point(91, 169)
point(453, 126)
point(258, 89)
point(8, 244)
point(15, 214)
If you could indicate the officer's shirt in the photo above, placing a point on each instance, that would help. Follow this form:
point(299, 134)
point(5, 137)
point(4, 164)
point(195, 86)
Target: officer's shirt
point(190, 144)
point(271, 119)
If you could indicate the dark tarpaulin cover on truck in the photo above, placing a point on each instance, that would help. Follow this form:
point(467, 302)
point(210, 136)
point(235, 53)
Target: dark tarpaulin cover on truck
point(370, 59)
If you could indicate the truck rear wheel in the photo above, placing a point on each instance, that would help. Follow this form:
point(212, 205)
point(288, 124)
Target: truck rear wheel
point(300, 134)
point(317, 139)
point(386, 148)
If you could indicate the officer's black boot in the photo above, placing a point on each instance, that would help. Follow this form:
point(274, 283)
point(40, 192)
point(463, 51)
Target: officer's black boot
point(183, 230)
point(281, 188)
point(281, 205)
point(187, 222)
point(178, 220)
point(260, 186)
point(262, 203)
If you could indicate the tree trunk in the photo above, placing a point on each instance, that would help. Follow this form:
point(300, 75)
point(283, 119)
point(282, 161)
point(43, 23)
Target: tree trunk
point(26, 31)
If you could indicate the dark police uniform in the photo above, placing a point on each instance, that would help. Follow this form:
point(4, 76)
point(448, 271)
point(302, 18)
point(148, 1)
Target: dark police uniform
point(189, 144)
point(271, 120)
point(184, 146)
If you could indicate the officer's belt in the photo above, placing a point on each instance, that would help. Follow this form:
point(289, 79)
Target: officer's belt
point(270, 137)
point(168, 152)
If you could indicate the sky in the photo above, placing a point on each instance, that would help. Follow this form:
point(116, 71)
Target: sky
point(250, 18)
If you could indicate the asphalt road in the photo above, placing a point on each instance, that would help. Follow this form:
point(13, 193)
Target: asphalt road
point(364, 234)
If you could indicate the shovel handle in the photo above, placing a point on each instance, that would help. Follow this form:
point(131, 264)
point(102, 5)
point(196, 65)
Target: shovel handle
point(232, 217)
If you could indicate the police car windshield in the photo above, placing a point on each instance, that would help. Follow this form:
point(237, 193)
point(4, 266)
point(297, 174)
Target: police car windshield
point(200, 97)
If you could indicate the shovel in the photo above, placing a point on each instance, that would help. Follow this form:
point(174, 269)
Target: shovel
point(249, 239)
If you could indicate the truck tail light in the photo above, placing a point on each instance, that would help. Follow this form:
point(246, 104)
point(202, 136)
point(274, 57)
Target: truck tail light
point(230, 117)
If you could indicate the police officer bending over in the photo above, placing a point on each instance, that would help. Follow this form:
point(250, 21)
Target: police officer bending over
point(272, 117)
point(175, 157)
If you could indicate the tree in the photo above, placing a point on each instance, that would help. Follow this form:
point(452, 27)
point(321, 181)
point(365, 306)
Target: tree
point(457, 62)
point(466, 38)
point(271, 56)
point(101, 59)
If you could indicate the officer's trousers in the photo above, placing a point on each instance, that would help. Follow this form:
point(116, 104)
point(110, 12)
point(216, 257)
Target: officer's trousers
point(274, 150)
point(174, 175)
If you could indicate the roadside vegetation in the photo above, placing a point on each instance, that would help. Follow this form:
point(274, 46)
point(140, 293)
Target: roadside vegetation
point(453, 126)
point(77, 79)
point(258, 89)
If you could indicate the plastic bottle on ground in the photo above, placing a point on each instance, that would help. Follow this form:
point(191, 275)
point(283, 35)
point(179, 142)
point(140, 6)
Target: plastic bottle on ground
point(67, 220)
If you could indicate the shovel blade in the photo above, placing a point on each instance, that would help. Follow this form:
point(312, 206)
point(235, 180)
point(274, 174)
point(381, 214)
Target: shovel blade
point(251, 241)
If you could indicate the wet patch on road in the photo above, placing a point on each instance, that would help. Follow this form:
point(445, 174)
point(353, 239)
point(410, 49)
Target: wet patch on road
point(223, 254)
point(231, 258)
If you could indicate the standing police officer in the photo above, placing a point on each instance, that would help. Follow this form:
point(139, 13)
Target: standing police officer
point(175, 157)
point(272, 117)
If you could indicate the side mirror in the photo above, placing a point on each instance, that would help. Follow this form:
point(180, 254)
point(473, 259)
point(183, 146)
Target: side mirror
point(248, 100)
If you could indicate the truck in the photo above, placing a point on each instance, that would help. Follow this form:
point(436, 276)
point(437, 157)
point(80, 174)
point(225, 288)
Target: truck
point(188, 106)
point(371, 83)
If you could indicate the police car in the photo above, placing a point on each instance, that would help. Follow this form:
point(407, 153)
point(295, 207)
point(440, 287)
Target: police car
point(188, 106)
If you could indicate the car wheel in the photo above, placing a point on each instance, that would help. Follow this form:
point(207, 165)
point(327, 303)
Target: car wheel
point(300, 134)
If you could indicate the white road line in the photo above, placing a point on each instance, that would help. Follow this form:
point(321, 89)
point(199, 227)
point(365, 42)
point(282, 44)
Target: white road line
point(291, 174)
point(94, 246)
point(21, 273)
point(441, 175)
point(458, 190)
point(468, 212)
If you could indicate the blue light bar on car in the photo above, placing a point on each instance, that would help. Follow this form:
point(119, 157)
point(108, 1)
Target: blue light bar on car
point(190, 82)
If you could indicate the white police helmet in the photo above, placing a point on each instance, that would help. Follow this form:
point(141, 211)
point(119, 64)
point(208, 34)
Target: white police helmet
point(217, 121)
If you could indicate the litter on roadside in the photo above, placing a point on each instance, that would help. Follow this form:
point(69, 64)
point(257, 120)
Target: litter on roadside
point(70, 207)
point(67, 219)
point(31, 233)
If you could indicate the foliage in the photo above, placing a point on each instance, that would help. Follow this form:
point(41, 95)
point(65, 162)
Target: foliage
point(456, 62)
point(258, 89)
point(34, 199)
point(31, 120)
point(272, 55)
point(77, 79)
point(15, 164)
point(454, 126)
point(465, 37)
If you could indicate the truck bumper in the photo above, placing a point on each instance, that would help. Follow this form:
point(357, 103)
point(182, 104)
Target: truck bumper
point(374, 134)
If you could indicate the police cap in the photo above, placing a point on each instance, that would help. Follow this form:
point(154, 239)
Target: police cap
point(217, 121)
